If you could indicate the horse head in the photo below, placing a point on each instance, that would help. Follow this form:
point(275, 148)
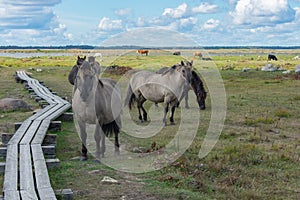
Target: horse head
point(85, 79)
point(80, 60)
point(94, 64)
point(185, 68)
point(199, 90)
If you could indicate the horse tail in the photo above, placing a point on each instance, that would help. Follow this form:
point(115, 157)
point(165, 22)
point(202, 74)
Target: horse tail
point(130, 97)
point(111, 128)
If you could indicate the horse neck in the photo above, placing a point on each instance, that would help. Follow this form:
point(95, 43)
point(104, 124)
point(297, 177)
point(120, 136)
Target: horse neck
point(197, 84)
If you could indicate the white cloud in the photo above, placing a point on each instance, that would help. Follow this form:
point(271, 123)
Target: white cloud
point(184, 10)
point(123, 12)
point(106, 24)
point(211, 24)
point(31, 22)
point(205, 8)
point(261, 13)
point(35, 14)
point(178, 12)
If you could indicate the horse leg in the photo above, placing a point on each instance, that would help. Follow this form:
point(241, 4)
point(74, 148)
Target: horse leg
point(140, 114)
point(97, 138)
point(172, 114)
point(102, 149)
point(83, 137)
point(143, 109)
point(165, 113)
point(186, 98)
point(117, 145)
point(140, 107)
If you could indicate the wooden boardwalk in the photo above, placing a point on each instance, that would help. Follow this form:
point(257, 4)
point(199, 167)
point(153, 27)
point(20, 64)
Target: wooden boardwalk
point(26, 175)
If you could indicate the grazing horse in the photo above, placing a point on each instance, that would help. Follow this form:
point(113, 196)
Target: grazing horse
point(143, 51)
point(272, 57)
point(96, 101)
point(167, 87)
point(196, 85)
point(177, 53)
point(199, 54)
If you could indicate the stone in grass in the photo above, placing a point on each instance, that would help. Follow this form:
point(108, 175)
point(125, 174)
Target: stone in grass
point(11, 104)
point(109, 180)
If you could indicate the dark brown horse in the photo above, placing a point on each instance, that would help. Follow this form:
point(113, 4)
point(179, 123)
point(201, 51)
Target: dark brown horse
point(73, 73)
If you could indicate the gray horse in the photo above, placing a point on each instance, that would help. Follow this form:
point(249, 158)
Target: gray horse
point(96, 101)
point(196, 85)
point(167, 87)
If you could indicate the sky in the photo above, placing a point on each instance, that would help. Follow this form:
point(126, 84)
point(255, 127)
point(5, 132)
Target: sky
point(94, 22)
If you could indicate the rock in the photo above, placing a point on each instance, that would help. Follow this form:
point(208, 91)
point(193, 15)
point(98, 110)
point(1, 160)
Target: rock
point(286, 72)
point(268, 68)
point(10, 104)
point(297, 69)
point(109, 180)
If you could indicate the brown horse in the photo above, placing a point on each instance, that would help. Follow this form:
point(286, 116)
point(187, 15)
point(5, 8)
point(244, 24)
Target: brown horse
point(199, 54)
point(143, 51)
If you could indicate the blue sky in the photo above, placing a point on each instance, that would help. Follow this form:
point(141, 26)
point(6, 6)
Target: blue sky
point(209, 23)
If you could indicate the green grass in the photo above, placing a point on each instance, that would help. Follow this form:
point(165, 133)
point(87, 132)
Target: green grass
point(256, 157)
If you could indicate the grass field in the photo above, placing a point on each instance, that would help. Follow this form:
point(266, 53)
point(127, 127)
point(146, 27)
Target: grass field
point(257, 155)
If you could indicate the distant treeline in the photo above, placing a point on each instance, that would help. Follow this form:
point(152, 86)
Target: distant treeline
point(90, 47)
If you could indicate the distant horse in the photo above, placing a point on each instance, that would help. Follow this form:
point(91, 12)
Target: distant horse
point(208, 58)
point(199, 54)
point(143, 51)
point(272, 57)
point(167, 87)
point(197, 86)
point(73, 73)
point(96, 101)
point(176, 53)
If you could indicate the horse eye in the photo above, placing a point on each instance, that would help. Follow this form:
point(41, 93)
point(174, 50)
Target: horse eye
point(183, 71)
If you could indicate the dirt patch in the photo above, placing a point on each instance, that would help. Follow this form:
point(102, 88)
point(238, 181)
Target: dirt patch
point(117, 70)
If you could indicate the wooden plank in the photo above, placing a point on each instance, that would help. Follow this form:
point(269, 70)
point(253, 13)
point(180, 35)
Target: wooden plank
point(11, 169)
point(61, 108)
point(47, 193)
point(30, 133)
point(25, 194)
point(40, 167)
point(11, 195)
point(37, 115)
point(27, 186)
point(41, 132)
point(20, 132)
point(41, 174)
point(45, 115)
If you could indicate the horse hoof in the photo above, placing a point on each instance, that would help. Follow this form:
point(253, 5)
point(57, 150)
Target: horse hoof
point(172, 123)
point(83, 158)
point(97, 160)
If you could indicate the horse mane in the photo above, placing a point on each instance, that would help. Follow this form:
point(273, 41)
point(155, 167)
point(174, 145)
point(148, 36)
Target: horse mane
point(196, 82)
point(170, 70)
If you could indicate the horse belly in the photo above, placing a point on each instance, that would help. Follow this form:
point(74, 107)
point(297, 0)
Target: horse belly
point(153, 93)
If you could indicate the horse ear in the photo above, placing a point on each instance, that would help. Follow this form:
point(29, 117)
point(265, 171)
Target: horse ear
point(191, 62)
point(182, 63)
point(78, 57)
point(84, 57)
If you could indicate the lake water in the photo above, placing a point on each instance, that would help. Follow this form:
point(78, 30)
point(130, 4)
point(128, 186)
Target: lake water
point(33, 54)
